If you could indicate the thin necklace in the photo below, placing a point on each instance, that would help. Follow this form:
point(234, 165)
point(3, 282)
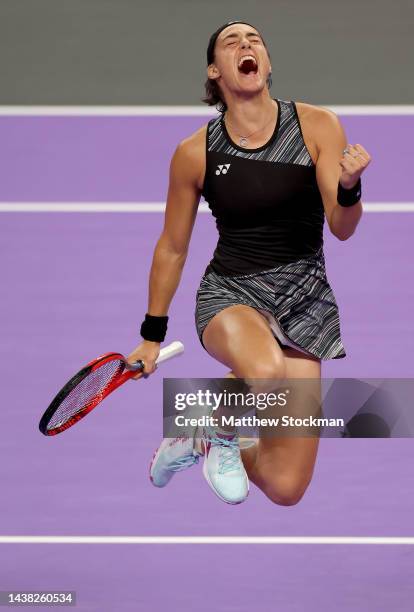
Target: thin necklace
point(244, 139)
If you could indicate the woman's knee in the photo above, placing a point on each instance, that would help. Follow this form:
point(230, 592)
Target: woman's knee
point(285, 491)
point(264, 376)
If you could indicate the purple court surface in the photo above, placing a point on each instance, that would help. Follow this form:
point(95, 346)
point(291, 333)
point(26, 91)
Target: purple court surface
point(75, 286)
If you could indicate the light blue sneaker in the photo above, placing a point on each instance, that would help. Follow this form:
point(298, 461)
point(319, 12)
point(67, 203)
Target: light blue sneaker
point(223, 466)
point(173, 455)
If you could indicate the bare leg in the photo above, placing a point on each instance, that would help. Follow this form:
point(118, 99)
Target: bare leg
point(240, 338)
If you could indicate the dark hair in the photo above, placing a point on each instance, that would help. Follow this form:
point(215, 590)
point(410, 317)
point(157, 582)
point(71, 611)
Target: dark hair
point(214, 96)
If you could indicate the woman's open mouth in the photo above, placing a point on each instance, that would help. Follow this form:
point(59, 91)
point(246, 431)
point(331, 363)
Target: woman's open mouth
point(248, 64)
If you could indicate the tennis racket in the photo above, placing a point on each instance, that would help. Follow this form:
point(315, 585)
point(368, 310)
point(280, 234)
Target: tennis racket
point(95, 381)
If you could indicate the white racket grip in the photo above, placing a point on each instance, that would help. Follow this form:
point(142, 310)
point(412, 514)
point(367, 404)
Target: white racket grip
point(173, 349)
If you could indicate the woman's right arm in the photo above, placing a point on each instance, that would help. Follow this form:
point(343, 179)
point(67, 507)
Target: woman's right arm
point(170, 254)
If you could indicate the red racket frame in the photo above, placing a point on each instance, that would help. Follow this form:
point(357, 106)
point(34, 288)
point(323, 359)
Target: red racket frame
point(90, 367)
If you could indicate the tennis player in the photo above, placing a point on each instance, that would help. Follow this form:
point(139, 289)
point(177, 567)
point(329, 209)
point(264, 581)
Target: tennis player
point(271, 170)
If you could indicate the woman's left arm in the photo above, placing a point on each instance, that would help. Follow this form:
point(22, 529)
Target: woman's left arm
point(334, 165)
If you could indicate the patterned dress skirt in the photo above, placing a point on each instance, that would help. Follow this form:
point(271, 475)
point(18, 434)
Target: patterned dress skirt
point(296, 298)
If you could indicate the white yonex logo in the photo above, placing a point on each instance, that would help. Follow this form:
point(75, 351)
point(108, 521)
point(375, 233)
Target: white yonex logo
point(222, 168)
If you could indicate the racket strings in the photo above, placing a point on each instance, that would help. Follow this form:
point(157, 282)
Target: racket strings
point(90, 388)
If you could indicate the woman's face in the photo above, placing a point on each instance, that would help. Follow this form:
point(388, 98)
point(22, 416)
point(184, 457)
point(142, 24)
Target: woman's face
point(230, 70)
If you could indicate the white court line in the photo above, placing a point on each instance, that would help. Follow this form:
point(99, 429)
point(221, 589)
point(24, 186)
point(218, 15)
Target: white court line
point(374, 540)
point(199, 110)
point(144, 207)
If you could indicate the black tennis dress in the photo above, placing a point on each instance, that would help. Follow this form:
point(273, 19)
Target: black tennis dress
point(269, 216)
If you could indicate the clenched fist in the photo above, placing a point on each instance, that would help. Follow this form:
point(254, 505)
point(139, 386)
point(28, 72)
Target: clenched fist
point(354, 161)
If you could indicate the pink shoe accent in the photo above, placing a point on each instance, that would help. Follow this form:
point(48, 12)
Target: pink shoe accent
point(150, 465)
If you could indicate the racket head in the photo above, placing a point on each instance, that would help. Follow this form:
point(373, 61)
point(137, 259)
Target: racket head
point(84, 391)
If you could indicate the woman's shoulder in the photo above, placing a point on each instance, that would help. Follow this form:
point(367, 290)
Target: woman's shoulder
point(313, 111)
point(192, 149)
point(196, 140)
point(189, 159)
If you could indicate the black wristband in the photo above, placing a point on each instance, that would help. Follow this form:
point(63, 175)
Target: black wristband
point(349, 197)
point(154, 328)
